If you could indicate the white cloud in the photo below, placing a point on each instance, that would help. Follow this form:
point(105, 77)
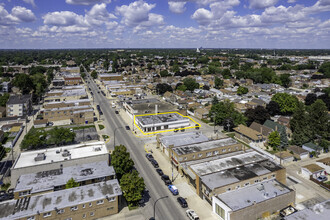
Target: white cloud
point(177, 7)
point(99, 15)
point(31, 2)
point(261, 4)
point(291, 1)
point(86, 2)
point(63, 18)
point(202, 16)
point(135, 13)
point(18, 15)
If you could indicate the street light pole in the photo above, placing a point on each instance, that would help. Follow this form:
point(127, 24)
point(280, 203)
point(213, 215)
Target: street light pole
point(214, 122)
point(114, 136)
point(164, 197)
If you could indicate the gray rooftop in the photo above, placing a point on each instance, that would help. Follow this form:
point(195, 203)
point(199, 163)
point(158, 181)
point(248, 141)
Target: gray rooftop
point(207, 145)
point(183, 139)
point(227, 163)
point(257, 193)
point(61, 199)
point(320, 211)
point(18, 99)
point(73, 108)
point(140, 101)
point(238, 174)
point(47, 180)
point(160, 118)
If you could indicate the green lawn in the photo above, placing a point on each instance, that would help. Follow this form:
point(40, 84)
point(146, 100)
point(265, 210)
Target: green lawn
point(101, 127)
point(105, 136)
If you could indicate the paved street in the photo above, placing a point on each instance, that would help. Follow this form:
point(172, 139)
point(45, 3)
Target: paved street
point(167, 208)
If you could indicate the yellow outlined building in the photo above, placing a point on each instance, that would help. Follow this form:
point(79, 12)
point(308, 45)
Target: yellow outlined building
point(167, 130)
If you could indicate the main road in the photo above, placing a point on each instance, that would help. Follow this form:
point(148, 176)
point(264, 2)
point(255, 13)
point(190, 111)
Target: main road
point(166, 209)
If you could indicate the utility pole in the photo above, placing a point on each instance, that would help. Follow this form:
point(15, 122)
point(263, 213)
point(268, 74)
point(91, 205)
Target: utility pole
point(164, 197)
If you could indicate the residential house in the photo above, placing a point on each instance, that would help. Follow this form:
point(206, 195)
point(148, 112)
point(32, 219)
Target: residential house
point(298, 152)
point(201, 113)
point(20, 105)
point(312, 170)
point(324, 163)
point(6, 87)
point(276, 127)
point(40, 123)
point(248, 135)
point(74, 79)
point(311, 147)
point(265, 131)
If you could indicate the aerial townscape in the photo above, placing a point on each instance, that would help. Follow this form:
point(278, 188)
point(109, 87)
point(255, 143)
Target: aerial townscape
point(94, 128)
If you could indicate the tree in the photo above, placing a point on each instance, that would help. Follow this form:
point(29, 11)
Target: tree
point(259, 115)
point(226, 110)
point(273, 108)
point(161, 88)
point(285, 80)
point(242, 90)
point(132, 186)
point(60, 136)
point(274, 140)
point(218, 83)
point(319, 119)
point(23, 82)
point(34, 139)
point(215, 100)
point(3, 99)
point(226, 73)
point(326, 99)
point(3, 152)
point(206, 87)
point(182, 88)
point(164, 73)
point(300, 127)
point(325, 69)
point(325, 144)
point(286, 102)
point(191, 84)
point(310, 98)
point(71, 184)
point(94, 74)
point(121, 161)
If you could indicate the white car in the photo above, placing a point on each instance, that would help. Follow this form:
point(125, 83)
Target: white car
point(192, 214)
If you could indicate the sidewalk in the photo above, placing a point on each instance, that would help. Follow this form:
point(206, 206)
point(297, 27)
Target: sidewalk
point(187, 191)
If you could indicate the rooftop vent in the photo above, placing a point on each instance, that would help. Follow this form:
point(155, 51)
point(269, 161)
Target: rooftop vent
point(66, 153)
point(40, 157)
point(97, 149)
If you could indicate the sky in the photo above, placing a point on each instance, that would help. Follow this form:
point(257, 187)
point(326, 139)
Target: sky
point(51, 24)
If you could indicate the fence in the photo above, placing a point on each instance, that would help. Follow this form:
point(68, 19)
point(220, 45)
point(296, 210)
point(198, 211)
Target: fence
point(322, 184)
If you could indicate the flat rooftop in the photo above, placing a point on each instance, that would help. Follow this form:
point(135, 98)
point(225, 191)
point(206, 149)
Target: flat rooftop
point(60, 199)
point(238, 174)
point(160, 118)
point(183, 139)
point(77, 151)
point(150, 107)
point(46, 180)
point(207, 145)
point(320, 211)
point(217, 165)
point(257, 193)
point(73, 108)
point(69, 101)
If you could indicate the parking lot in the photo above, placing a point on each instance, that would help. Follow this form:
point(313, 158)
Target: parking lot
point(86, 134)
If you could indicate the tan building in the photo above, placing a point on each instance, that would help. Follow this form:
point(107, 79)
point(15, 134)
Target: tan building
point(77, 114)
point(85, 202)
point(248, 135)
point(74, 80)
point(70, 103)
point(253, 202)
point(19, 105)
point(214, 176)
point(201, 113)
point(65, 95)
point(110, 77)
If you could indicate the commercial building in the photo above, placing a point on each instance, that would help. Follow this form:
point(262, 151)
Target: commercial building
point(77, 114)
point(319, 211)
point(176, 140)
point(65, 95)
point(69, 103)
point(150, 123)
point(85, 202)
point(54, 180)
point(58, 157)
point(110, 77)
point(20, 105)
point(253, 202)
point(216, 175)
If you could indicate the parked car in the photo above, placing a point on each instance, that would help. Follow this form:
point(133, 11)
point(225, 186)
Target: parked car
point(160, 172)
point(127, 127)
point(166, 180)
point(149, 156)
point(101, 113)
point(173, 190)
point(154, 163)
point(322, 178)
point(182, 202)
point(117, 112)
point(192, 214)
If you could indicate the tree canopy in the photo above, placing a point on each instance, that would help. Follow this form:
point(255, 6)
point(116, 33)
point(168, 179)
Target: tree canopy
point(121, 161)
point(274, 140)
point(191, 84)
point(71, 184)
point(259, 115)
point(161, 88)
point(132, 186)
point(286, 102)
point(242, 90)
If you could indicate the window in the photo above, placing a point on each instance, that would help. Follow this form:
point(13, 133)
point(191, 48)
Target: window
point(60, 211)
point(193, 156)
point(90, 204)
point(185, 158)
point(101, 179)
point(180, 158)
point(220, 211)
point(264, 178)
point(84, 215)
point(92, 213)
point(84, 206)
point(273, 175)
point(110, 208)
point(74, 208)
point(216, 152)
point(200, 155)
point(68, 219)
point(111, 199)
point(223, 150)
point(228, 189)
point(236, 147)
point(24, 193)
point(99, 202)
point(237, 187)
point(256, 181)
point(246, 184)
point(47, 214)
point(229, 149)
point(208, 154)
point(30, 218)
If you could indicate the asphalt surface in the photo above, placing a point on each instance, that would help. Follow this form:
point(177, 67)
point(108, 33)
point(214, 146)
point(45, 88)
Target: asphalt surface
point(166, 209)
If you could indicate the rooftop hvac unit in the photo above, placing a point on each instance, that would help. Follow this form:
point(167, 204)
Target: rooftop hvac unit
point(66, 153)
point(40, 157)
